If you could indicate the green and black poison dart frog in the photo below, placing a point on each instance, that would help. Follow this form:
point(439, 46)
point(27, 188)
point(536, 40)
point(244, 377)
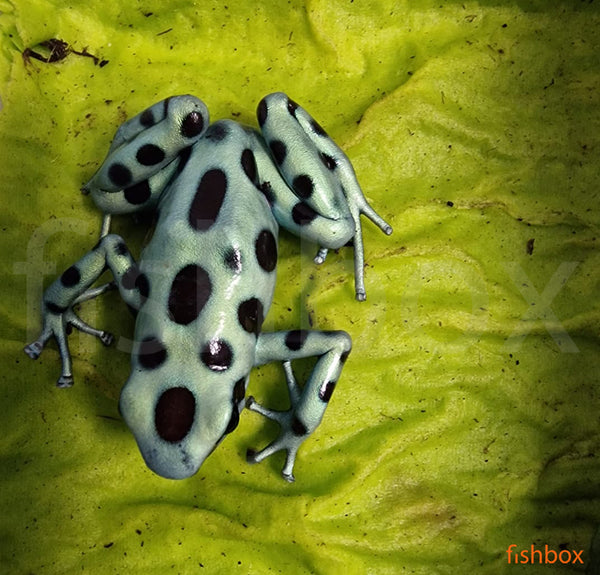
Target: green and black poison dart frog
point(205, 280)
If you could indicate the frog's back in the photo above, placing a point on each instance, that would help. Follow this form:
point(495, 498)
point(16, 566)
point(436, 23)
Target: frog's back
point(211, 262)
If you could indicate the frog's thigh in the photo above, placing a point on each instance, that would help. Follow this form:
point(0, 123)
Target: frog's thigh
point(331, 347)
point(308, 403)
point(110, 252)
point(73, 287)
point(300, 343)
point(329, 224)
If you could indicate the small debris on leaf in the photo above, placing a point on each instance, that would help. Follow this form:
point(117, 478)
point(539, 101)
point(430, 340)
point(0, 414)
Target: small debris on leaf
point(56, 50)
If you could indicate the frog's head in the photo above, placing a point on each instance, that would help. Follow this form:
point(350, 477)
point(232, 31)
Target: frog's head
point(177, 423)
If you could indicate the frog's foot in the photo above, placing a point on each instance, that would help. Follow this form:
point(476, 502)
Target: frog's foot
point(292, 434)
point(34, 349)
point(293, 430)
point(313, 190)
point(358, 205)
point(58, 325)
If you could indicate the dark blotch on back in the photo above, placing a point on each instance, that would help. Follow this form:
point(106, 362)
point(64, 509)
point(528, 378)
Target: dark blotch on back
point(151, 353)
point(143, 285)
point(190, 290)
point(121, 249)
point(130, 276)
point(174, 414)
point(251, 315)
point(208, 200)
point(266, 250)
point(267, 190)
point(239, 391)
point(216, 355)
point(54, 308)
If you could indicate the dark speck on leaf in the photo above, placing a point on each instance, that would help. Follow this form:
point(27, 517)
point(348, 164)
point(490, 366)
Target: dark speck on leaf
point(530, 245)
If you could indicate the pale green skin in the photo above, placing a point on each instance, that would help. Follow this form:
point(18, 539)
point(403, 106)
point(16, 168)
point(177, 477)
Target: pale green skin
point(178, 404)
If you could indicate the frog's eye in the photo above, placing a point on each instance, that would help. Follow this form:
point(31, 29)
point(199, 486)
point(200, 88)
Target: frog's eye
point(174, 413)
point(192, 124)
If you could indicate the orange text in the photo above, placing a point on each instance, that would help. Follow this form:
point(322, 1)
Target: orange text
point(544, 556)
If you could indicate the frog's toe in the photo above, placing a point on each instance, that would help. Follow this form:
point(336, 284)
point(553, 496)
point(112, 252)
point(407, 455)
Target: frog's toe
point(253, 456)
point(289, 440)
point(106, 338)
point(33, 350)
point(287, 471)
point(320, 256)
point(65, 381)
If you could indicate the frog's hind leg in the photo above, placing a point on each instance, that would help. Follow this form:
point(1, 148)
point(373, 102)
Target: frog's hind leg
point(316, 195)
point(307, 403)
point(73, 287)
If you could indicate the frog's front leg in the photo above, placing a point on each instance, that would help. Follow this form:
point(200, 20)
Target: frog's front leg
point(73, 286)
point(308, 403)
point(322, 200)
point(146, 153)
